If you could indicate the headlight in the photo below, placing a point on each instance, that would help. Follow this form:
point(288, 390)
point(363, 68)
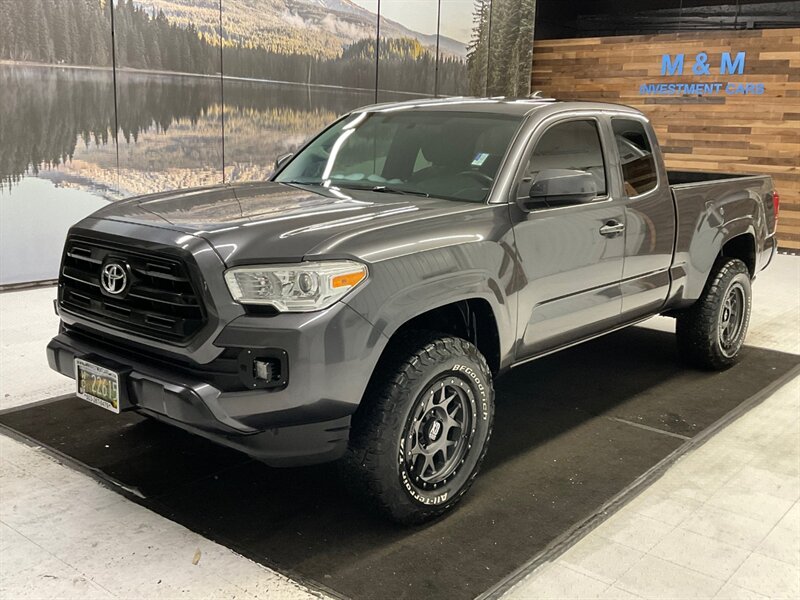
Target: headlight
point(302, 287)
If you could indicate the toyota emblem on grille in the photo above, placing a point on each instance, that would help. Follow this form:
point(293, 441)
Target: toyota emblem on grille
point(114, 278)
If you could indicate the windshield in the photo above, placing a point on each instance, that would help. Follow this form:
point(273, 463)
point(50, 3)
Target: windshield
point(453, 155)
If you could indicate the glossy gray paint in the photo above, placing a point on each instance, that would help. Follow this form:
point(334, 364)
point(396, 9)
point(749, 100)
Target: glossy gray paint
point(549, 276)
point(709, 214)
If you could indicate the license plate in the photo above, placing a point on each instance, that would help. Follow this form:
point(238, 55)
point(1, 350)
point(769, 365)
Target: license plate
point(97, 384)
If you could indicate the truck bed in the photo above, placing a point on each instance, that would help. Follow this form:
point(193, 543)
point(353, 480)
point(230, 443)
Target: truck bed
point(714, 206)
point(680, 178)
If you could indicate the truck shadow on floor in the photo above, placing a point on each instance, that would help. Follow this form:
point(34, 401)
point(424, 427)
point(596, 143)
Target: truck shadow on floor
point(572, 430)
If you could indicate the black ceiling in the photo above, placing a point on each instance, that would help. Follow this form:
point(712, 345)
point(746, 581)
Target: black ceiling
point(585, 18)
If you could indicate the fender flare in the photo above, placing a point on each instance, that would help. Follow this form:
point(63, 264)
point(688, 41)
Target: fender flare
point(427, 295)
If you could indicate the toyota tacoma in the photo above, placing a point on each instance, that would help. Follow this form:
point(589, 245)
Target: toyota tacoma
point(358, 305)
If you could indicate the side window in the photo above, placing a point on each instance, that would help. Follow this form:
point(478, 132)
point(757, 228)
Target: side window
point(636, 156)
point(570, 145)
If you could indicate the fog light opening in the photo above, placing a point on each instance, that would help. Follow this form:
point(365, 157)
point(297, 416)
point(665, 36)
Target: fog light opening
point(266, 370)
point(263, 368)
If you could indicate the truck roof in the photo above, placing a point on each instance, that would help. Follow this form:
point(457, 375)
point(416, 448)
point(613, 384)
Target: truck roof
point(496, 105)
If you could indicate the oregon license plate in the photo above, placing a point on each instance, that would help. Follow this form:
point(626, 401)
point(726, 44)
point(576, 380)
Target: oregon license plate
point(97, 384)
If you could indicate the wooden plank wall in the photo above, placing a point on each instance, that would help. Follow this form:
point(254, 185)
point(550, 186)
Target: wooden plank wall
point(723, 133)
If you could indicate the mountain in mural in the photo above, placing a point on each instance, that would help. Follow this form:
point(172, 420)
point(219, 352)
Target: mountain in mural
point(318, 27)
point(145, 38)
point(393, 29)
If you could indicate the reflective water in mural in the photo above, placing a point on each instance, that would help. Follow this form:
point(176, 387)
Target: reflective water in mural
point(170, 126)
point(34, 219)
point(57, 124)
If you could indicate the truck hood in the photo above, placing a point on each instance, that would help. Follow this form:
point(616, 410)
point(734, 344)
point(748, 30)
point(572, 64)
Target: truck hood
point(274, 222)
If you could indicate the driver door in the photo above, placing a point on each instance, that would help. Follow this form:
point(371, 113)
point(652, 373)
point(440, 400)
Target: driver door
point(571, 256)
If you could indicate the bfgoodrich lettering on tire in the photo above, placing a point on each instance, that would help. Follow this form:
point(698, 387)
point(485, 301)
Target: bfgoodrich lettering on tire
point(711, 332)
point(422, 430)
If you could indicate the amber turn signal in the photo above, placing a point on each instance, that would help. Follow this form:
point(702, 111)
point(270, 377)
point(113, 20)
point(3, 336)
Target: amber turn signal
point(348, 279)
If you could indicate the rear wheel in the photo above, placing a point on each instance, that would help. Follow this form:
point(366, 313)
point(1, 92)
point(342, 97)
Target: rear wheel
point(711, 332)
point(421, 434)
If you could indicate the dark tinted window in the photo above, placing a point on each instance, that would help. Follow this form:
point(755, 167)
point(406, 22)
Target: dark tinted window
point(571, 145)
point(636, 156)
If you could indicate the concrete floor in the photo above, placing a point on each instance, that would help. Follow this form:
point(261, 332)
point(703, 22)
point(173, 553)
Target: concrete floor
point(724, 522)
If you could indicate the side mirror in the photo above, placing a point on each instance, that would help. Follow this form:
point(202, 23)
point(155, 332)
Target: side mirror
point(560, 187)
point(282, 160)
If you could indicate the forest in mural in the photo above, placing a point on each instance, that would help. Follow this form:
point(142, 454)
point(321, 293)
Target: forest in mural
point(501, 48)
point(77, 33)
point(104, 99)
point(73, 32)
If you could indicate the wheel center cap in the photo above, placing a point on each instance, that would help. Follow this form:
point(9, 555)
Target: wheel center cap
point(434, 430)
point(726, 314)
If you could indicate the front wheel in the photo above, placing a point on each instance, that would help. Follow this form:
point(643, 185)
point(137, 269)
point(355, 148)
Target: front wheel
point(421, 434)
point(711, 332)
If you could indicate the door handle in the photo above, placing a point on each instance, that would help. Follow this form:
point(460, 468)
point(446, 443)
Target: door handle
point(612, 228)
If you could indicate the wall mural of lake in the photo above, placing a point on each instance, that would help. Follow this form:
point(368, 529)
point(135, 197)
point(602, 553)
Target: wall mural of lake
point(199, 92)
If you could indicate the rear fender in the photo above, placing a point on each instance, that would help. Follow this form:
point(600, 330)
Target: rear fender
point(704, 227)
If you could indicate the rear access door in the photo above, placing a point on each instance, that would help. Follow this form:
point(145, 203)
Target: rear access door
point(649, 217)
point(571, 256)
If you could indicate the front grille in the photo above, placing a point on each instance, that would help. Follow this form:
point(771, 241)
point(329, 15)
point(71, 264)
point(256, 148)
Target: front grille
point(158, 302)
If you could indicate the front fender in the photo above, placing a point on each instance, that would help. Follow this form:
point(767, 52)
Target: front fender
point(408, 286)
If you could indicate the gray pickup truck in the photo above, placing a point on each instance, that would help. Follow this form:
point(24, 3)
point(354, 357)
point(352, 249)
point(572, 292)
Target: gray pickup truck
point(358, 305)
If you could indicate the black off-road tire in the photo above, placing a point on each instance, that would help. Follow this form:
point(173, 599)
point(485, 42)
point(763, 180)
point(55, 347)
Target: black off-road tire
point(391, 459)
point(706, 337)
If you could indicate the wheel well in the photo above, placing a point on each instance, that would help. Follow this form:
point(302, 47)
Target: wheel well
point(472, 320)
point(742, 247)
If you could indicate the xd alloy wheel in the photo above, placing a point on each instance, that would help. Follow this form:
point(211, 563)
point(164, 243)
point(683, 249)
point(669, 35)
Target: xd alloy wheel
point(438, 434)
point(732, 319)
point(419, 439)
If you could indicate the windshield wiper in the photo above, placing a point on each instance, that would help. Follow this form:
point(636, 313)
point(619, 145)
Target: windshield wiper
point(298, 182)
point(385, 189)
point(393, 190)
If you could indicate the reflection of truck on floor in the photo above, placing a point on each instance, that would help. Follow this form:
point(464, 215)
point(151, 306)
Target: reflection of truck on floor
point(359, 304)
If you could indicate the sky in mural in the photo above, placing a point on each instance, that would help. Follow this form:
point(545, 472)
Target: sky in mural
point(458, 25)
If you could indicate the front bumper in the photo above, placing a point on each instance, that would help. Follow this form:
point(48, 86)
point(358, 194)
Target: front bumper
point(331, 355)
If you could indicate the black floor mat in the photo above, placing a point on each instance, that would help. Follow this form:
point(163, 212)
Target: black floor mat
point(572, 431)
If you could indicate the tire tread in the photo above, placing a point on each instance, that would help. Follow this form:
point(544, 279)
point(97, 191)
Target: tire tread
point(695, 327)
point(371, 441)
